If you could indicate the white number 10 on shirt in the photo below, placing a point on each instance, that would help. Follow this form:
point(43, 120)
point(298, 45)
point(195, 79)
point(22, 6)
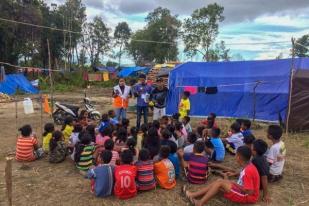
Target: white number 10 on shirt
point(125, 181)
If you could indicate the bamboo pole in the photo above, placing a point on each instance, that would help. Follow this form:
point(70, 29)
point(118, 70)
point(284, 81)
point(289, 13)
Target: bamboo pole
point(16, 116)
point(8, 179)
point(50, 79)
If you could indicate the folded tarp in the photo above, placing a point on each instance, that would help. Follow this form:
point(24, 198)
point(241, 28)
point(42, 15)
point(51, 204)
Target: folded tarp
point(13, 82)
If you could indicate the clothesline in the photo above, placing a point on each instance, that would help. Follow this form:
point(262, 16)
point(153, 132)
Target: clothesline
point(21, 67)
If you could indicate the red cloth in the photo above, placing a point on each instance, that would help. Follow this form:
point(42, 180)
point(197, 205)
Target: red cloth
point(191, 89)
point(125, 186)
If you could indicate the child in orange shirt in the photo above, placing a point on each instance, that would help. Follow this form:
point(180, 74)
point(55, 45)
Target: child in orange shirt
point(164, 170)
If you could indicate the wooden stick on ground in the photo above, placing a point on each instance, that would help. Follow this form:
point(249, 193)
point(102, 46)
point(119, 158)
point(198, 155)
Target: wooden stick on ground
point(8, 179)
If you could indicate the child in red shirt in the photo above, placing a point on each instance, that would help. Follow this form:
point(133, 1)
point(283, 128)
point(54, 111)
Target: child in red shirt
point(125, 174)
point(245, 191)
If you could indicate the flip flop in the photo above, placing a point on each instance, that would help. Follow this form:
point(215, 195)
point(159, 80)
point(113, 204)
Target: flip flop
point(184, 191)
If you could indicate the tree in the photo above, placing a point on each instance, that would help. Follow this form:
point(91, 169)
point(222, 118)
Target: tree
point(122, 35)
point(201, 30)
point(237, 57)
point(97, 40)
point(301, 46)
point(280, 56)
point(157, 41)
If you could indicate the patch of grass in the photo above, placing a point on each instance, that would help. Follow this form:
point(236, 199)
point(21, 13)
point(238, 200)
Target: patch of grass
point(306, 144)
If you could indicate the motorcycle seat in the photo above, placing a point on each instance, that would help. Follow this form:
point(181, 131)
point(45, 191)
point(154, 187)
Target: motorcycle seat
point(72, 107)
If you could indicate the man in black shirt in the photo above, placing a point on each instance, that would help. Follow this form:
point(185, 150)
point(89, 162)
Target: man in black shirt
point(158, 99)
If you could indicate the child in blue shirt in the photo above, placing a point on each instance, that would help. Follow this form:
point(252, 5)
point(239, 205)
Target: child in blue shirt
point(173, 157)
point(245, 127)
point(218, 144)
point(102, 177)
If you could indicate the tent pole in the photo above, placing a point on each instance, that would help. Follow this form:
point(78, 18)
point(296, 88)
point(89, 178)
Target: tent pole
point(254, 99)
point(291, 87)
point(50, 79)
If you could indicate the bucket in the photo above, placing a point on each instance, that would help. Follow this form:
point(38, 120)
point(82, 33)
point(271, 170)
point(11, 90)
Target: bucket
point(28, 106)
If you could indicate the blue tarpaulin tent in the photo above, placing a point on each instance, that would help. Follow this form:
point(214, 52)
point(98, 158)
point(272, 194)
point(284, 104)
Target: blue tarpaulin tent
point(245, 89)
point(13, 82)
point(133, 71)
point(107, 69)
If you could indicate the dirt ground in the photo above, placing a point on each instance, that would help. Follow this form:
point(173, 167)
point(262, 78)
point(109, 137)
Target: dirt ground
point(42, 183)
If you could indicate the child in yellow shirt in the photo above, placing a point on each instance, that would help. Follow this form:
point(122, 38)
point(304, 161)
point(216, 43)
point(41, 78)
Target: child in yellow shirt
point(67, 129)
point(49, 128)
point(184, 105)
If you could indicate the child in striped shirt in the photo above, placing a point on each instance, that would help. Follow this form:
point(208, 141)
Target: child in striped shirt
point(145, 176)
point(84, 151)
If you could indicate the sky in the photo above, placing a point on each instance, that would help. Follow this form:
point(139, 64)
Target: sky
point(247, 26)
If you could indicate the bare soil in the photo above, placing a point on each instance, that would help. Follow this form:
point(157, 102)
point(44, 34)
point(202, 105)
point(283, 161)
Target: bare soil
point(42, 183)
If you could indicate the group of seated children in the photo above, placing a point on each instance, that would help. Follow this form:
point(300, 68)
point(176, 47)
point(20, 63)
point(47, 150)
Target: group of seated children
point(121, 160)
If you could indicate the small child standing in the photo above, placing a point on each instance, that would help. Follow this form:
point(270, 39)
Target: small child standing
point(218, 144)
point(164, 170)
point(145, 176)
point(125, 174)
point(184, 105)
point(84, 151)
point(235, 140)
point(276, 153)
point(109, 145)
point(57, 148)
point(186, 123)
point(49, 128)
point(67, 129)
point(27, 147)
point(102, 176)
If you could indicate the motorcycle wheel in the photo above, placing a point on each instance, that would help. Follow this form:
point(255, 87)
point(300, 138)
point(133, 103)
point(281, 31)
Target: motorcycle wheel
point(59, 117)
point(95, 117)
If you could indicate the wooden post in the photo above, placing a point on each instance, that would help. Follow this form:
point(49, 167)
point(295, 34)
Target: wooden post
point(8, 179)
point(291, 87)
point(50, 79)
point(16, 116)
point(41, 120)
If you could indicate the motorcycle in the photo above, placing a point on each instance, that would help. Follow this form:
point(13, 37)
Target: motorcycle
point(64, 110)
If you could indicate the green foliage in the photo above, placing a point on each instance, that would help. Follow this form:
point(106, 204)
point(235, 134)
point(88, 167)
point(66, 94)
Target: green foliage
point(161, 26)
point(201, 30)
point(122, 35)
point(301, 46)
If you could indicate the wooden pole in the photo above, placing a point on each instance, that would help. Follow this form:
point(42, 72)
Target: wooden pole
point(8, 179)
point(41, 120)
point(291, 87)
point(50, 79)
point(16, 116)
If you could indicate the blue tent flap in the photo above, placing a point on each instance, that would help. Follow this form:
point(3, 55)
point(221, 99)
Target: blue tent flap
point(13, 82)
point(235, 82)
point(106, 69)
point(133, 71)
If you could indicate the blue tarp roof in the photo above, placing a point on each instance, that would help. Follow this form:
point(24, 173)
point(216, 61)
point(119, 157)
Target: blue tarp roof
point(235, 82)
point(133, 71)
point(14, 81)
point(107, 69)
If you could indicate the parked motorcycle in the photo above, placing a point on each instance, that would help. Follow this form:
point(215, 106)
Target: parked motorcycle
point(64, 110)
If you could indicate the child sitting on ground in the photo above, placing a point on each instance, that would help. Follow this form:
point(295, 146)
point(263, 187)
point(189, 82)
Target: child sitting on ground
point(180, 136)
point(210, 121)
point(49, 128)
point(112, 117)
point(27, 147)
point(109, 145)
point(245, 127)
point(121, 139)
point(184, 105)
point(210, 150)
point(199, 132)
point(83, 118)
point(164, 169)
point(145, 176)
point(195, 164)
point(167, 138)
point(103, 135)
point(173, 157)
point(192, 137)
point(104, 122)
point(125, 123)
point(57, 148)
point(235, 140)
point(84, 151)
point(67, 129)
point(74, 138)
point(276, 153)
point(102, 176)
point(218, 145)
point(245, 191)
point(259, 148)
point(186, 123)
point(125, 174)
point(141, 136)
point(130, 145)
point(248, 140)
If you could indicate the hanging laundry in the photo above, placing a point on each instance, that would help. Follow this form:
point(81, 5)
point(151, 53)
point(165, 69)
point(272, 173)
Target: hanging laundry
point(191, 89)
point(211, 90)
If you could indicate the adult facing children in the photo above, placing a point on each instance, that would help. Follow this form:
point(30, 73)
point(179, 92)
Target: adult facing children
point(158, 99)
point(121, 95)
point(142, 92)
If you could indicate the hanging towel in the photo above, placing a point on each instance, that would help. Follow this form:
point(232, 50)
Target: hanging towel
point(191, 89)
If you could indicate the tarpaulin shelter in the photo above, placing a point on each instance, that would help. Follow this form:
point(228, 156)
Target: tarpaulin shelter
point(133, 71)
point(108, 72)
point(246, 89)
point(13, 82)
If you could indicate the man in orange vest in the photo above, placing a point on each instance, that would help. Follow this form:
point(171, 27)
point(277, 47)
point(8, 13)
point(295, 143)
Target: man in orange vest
point(121, 95)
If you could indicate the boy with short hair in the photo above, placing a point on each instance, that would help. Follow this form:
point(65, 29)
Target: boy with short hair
point(192, 137)
point(102, 177)
point(196, 164)
point(125, 174)
point(218, 144)
point(184, 105)
point(259, 148)
point(210, 150)
point(164, 170)
point(112, 117)
point(276, 153)
point(186, 123)
point(245, 191)
point(245, 127)
point(173, 157)
point(235, 140)
point(248, 140)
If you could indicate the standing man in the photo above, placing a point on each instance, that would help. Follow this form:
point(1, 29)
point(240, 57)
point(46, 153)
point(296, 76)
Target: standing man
point(142, 91)
point(158, 99)
point(121, 95)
